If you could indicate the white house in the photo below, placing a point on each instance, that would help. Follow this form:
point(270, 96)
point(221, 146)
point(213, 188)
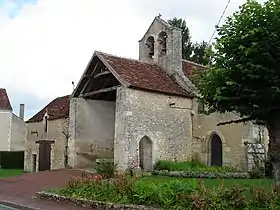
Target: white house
point(13, 132)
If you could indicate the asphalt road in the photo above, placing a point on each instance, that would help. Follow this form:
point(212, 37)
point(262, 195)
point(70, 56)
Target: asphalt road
point(2, 207)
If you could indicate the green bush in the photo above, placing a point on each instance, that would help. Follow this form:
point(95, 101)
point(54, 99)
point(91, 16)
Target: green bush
point(106, 169)
point(256, 173)
point(192, 166)
point(174, 194)
point(205, 175)
point(268, 169)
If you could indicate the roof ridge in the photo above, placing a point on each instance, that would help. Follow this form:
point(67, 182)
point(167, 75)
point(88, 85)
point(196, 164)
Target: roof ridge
point(122, 57)
point(37, 117)
point(194, 63)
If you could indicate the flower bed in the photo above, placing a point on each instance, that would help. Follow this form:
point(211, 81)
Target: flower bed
point(197, 170)
point(132, 193)
point(193, 166)
point(206, 175)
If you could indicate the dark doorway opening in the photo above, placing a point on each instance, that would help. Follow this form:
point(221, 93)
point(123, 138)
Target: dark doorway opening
point(44, 155)
point(34, 162)
point(216, 150)
point(12, 160)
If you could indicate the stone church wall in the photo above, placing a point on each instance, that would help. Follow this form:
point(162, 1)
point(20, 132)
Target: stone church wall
point(232, 136)
point(145, 114)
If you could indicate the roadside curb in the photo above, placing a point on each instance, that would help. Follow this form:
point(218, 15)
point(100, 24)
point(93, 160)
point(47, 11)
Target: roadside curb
point(17, 206)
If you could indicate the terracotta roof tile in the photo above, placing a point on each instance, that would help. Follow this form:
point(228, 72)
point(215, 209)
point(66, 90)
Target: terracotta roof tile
point(57, 109)
point(4, 100)
point(189, 67)
point(143, 75)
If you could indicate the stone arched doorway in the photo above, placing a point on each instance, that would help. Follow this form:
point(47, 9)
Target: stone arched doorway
point(146, 154)
point(216, 150)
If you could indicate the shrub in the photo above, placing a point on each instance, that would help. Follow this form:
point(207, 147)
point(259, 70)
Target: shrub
point(268, 169)
point(106, 169)
point(207, 175)
point(175, 194)
point(192, 166)
point(256, 173)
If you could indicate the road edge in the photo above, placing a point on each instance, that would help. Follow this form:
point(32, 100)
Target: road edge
point(16, 206)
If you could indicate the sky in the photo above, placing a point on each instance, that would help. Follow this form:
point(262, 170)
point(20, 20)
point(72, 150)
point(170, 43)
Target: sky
point(46, 44)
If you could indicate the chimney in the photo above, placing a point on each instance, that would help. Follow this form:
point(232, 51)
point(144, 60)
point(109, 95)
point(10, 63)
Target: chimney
point(21, 111)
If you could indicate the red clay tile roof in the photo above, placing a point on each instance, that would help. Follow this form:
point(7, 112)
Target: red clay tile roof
point(4, 100)
point(57, 109)
point(143, 75)
point(189, 67)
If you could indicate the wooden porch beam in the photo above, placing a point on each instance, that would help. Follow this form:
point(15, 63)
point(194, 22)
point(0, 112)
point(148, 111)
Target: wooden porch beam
point(89, 77)
point(101, 74)
point(101, 91)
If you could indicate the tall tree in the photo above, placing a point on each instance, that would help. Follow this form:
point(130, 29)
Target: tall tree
point(245, 76)
point(201, 53)
point(187, 46)
point(197, 52)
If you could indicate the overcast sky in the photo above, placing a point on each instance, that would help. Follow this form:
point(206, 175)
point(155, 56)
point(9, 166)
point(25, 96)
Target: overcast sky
point(46, 44)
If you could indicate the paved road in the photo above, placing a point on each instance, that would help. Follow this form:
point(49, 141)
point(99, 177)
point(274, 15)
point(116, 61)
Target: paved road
point(28, 184)
point(6, 208)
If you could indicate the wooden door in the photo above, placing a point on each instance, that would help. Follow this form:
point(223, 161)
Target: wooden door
point(44, 155)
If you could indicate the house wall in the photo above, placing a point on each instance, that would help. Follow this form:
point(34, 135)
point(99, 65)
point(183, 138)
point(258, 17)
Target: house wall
point(18, 134)
point(140, 114)
point(5, 130)
point(92, 128)
point(57, 131)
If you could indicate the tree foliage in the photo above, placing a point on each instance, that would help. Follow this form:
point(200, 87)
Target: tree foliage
point(186, 38)
point(245, 77)
point(197, 52)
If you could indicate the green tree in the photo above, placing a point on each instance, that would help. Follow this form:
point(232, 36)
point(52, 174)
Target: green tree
point(197, 52)
point(245, 76)
point(187, 47)
point(201, 53)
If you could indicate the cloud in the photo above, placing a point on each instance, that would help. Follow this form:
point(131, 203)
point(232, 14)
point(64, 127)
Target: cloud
point(47, 45)
point(32, 103)
point(13, 7)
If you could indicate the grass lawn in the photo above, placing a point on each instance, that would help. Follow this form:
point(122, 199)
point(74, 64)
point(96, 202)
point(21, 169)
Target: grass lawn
point(10, 172)
point(266, 183)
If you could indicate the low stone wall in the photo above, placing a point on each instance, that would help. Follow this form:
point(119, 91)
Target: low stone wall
point(88, 203)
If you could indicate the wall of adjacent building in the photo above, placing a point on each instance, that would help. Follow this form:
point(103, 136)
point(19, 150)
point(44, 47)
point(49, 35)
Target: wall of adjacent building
point(58, 131)
point(145, 114)
point(18, 134)
point(92, 129)
point(5, 130)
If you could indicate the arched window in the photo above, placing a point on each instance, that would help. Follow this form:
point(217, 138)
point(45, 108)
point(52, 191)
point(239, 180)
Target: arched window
point(162, 37)
point(150, 43)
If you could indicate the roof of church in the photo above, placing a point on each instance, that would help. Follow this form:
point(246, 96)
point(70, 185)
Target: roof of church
point(57, 109)
point(136, 73)
point(189, 67)
point(142, 75)
point(4, 100)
